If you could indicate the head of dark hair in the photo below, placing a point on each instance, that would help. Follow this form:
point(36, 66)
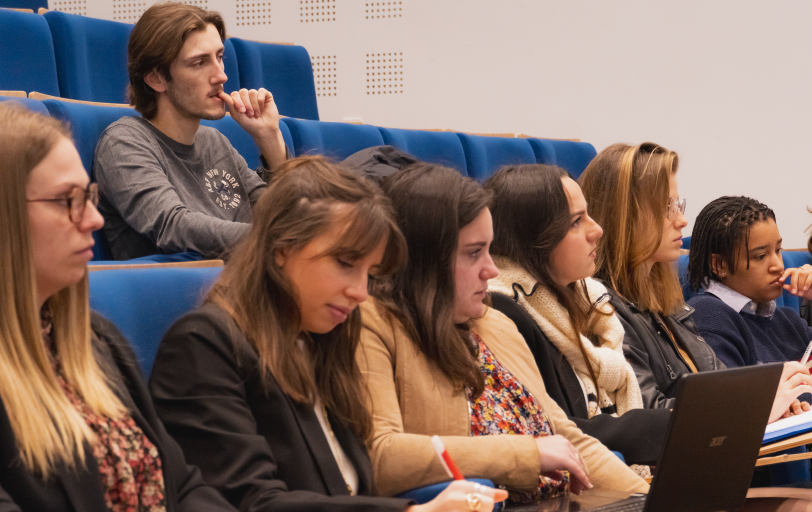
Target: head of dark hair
point(722, 228)
point(308, 197)
point(531, 216)
point(156, 41)
point(432, 203)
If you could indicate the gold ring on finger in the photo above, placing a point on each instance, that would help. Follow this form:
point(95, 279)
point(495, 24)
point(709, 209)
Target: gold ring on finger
point(474, 501)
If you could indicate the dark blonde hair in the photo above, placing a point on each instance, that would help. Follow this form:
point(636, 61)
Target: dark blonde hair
point(47, 427)
point(432, 204)
point(305, 199)
point(156, 41)
point(627, 189)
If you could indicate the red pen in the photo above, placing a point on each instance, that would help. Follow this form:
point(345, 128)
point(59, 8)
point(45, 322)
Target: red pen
point(445, 459)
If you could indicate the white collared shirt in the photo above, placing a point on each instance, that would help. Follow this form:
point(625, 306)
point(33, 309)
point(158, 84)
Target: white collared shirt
point(739, 302)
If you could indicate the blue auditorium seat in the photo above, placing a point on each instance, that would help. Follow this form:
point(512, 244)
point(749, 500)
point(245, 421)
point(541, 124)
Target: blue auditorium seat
point(569, 155)
point(87, 122)
point(485, 155)
point(230, 67)
point(334, 140)
point(144, 302)
point(27, 54)
point(285, 70)
point(34, 5)
point(442, 148)
point(686, 242)
point(91, 57)
point(30, 104)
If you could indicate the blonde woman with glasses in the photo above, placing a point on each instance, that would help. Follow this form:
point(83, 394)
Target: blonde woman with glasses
point(77, 427)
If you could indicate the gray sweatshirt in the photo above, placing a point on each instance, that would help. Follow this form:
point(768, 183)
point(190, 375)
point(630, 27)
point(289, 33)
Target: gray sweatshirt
point(161, 196)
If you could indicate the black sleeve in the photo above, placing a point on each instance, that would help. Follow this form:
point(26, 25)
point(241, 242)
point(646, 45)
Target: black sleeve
point(639, 434)
point(184, 483)
point(200, 393)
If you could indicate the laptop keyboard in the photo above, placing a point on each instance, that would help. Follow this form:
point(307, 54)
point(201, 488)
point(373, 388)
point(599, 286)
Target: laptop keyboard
point(631, 504)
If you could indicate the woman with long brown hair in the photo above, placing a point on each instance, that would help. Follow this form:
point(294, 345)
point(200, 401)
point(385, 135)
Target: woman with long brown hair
point(439, 362)
point(77, 427)
point(260, 385)
point(632, 192)
point(544, 246)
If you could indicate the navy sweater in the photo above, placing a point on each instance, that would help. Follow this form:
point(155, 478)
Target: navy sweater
point(742, 339)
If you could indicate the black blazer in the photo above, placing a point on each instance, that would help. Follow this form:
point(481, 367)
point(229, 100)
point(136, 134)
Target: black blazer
point(254, 444)
point(639, 434)
point(82, 491)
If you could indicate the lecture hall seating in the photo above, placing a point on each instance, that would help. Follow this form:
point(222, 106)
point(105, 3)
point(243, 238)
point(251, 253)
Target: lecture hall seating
point(436, 147)
point(27, 53)
point(485, 155)
point(285, 70)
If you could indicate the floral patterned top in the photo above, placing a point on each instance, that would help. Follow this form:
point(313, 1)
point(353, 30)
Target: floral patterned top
point(506, 407)
point(129, 464)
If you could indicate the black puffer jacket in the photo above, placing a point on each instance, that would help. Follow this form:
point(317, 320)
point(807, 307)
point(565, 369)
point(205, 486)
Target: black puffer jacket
point(653, 355)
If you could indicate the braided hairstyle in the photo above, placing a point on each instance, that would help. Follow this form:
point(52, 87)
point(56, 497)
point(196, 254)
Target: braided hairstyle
point(720, 228)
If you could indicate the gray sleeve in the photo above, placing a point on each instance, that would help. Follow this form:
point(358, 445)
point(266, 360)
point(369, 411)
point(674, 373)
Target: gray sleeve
point(254, 181)
point(131, 177)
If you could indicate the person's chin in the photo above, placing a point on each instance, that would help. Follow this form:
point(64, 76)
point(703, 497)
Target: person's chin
point(214, 114)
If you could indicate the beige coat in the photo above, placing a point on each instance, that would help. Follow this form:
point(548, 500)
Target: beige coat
point(411, 401)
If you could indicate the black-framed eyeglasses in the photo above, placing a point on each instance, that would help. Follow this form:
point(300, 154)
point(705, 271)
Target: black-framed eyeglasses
point(674, 206)
point(76, 201)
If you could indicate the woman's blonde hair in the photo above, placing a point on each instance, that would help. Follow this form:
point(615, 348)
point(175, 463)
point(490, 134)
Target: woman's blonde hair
point(47, 427)
point(308, 197)
point(627, 190)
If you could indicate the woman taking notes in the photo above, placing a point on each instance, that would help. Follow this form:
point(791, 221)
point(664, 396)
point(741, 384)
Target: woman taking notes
point(260, 384)
point(438, 361)
point(77, 428)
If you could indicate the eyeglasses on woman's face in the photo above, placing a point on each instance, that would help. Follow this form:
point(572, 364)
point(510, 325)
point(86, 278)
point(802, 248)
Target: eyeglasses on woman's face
point(75, 201)
point(674, 206)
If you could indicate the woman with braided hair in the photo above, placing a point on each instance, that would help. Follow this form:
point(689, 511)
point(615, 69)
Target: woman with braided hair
point(736, 258)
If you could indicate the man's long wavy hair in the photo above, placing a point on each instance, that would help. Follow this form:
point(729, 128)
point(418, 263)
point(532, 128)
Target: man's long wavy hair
point(432, 204)
point(306, 198)
point(48, 429)
point(627, 189)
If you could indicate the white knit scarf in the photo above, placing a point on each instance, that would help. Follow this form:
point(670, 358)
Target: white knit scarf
point(616, 382)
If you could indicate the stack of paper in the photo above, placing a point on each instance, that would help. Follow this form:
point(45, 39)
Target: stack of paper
point(788, 427)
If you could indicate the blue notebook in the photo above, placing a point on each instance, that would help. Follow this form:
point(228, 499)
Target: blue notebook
point(788, 427)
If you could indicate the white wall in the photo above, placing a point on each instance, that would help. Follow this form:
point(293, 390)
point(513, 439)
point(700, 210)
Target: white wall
point(725, 83)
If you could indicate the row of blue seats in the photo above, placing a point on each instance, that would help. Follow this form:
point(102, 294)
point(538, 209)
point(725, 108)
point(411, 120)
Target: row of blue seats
point(473, 155)
point(81, 58)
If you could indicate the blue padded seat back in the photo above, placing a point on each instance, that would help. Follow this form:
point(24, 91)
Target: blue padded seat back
point(242, 141)
point(91, 57)
point(34, 5)
point(334, 140)
point(793, 259)
point(30, 104)
point(485, 155)
point(230, 67)
point(686, 242)
point(442, 148)
point(87, 122)
point(27, 53)
point(144, 302)
point(569, 155)
point(285, 70)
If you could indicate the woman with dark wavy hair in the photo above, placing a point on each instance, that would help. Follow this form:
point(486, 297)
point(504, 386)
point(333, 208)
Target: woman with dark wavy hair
point(438, 361)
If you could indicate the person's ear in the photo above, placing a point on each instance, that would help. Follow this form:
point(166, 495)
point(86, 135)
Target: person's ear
point(719, 266)
point(156, 81)
point(281, 256)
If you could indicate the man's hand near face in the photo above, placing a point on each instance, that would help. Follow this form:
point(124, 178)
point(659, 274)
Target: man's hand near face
point(256, 112)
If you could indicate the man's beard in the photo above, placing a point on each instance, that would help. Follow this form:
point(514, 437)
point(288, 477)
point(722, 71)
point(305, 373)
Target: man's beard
point(185, 107)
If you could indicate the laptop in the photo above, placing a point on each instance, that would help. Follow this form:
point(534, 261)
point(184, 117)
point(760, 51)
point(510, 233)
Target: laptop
point(714, 437)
